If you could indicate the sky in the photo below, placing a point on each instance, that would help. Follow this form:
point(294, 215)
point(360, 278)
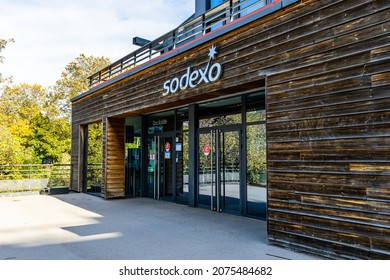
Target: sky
point(49, 34)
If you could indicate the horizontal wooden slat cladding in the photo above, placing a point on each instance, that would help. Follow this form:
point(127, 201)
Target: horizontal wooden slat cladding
point(381, 79)
point(114, 160)
point(332, 156)
point(339, 249)
point(322, 247)
point(328, 137)
point(342, 225)
point(353, 215)
point(375, 130)
point(156, 77)
point(347, 227)
point(380, 53)
point(322, 101)
point(332, 201)
point(371, 168)
point(352, 144)
point(327, 64)
point(75, 160)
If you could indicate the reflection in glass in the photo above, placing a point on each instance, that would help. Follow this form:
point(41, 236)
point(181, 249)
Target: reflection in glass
point(219, 170)
point(94, 158)
point(182, 168)
point(133, 156)
point(151, 165)
point(255, 116)
point(230, 170)
point(256, 170)
point(206, 172)
point(220, 120)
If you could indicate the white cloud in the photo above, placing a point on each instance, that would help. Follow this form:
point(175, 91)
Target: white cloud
point(49, 34)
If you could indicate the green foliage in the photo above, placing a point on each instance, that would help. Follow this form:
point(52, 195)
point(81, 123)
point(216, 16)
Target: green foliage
point(256, 154)
point(49, 139)
point(33, 125)
point(35, 121)
point(95, 155)
point(74, 80)
point(11, 149)
point(3, 44)
point(24, 101)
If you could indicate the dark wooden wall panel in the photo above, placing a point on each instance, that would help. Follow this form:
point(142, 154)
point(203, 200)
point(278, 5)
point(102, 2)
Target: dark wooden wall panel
point(327, 65)
point(113, 185)
point(76, 159)
point(328, 129)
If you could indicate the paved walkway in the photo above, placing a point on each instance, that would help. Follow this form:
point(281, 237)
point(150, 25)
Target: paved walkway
point(83, 227)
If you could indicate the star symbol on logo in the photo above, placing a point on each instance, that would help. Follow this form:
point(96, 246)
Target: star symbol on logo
point(212, 52)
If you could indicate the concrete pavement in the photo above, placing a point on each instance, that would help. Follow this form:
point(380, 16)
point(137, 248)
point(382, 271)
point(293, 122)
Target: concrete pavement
point(83, 227)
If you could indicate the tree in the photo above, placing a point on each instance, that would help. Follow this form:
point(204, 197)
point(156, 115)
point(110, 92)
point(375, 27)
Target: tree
point(11, 149)
point(32, 122)
point(49, 139)
point(35, 121)
point(74, 80)
point(3, 44)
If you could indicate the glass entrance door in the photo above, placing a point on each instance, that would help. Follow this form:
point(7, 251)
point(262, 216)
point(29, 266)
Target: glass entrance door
point(219, 170)
point(160, 169)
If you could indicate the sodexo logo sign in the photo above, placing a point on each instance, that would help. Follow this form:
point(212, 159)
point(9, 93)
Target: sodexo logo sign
point(192, 78)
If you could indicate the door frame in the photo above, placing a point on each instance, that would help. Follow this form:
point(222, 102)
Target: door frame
point(159, 151)
point(216, 186)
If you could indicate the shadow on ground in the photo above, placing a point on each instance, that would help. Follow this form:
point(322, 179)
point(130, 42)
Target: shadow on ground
point(79, 226)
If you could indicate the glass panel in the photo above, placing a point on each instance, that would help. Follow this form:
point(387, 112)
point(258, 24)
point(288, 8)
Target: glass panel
point(161, 122)
point(151, 166)
point(206, 174)
point(256, 170)
point(133, 156)
point(220, 120)
point(255, 116)
point(215, 3)
point(166, 165)
point(256, 107)
point(230, 170)
point(220, 107)
point(182, 119)
point(94, 158)
point(182, 168)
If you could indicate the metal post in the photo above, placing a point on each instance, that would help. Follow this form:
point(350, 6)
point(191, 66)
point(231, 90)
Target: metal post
point(155, 168)
point(218, 167)
point(212, 169)
point(158, 167)
point(193, 148)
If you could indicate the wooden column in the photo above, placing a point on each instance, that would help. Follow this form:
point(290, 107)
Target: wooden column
point(113, 177)
point(77, 157)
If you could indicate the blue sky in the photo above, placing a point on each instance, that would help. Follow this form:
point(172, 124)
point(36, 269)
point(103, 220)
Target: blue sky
point(48, 34)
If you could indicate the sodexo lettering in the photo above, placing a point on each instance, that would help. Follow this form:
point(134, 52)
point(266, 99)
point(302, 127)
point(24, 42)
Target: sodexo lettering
point(193, 78)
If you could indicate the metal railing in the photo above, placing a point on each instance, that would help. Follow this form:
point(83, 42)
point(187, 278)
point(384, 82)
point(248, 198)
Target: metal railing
point(34, 177)
point(94, 178)
point(213, 19)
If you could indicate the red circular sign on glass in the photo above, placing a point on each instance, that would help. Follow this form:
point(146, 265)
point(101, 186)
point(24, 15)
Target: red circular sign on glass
point(206, 150)
point(167, 146)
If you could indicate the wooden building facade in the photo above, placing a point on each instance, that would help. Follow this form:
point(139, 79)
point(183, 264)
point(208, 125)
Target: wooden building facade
point(323, 70)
